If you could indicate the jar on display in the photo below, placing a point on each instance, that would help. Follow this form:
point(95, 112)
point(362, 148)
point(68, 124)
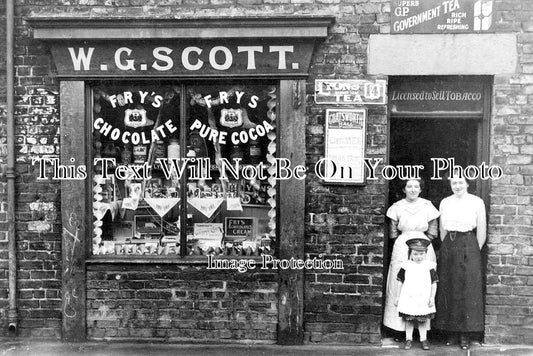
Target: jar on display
point(97, 148)
point(160, 152)
point(236, 152)
point(140, 153)
point(126, 154)
point(197, 143)
point(254, 152)
point(109, 150)
point(173, 149)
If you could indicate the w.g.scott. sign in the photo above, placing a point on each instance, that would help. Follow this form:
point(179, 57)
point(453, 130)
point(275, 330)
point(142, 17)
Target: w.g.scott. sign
point(441, 16)
point(206, 58)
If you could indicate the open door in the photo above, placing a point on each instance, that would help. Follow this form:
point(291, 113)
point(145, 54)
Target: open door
point(415, 141)
point(437, 118)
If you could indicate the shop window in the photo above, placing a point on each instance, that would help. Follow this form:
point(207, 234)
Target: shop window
point(184, 169)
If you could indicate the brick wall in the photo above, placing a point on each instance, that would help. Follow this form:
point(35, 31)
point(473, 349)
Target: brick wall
point(176, 302)
point(4, 305)
point(37, 203)
point(510, 253)
point(346, 222)
point(37, 207)
point(3, 154)
point(353, 311)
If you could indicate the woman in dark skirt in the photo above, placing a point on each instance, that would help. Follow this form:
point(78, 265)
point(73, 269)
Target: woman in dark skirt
point(460, 293)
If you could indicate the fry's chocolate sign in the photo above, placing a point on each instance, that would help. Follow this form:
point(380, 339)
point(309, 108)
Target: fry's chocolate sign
point(182, 59)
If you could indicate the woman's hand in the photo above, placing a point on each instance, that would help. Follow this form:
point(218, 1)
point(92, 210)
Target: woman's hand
point(396, 302)
point(431, 303)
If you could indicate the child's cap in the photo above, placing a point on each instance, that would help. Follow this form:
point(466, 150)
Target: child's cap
point(418, 244)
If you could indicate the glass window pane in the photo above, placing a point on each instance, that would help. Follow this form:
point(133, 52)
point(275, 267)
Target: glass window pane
point(135, 205)
point(231, 128)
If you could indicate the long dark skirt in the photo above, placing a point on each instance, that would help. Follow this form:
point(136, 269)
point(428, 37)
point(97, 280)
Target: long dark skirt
point(459, 293)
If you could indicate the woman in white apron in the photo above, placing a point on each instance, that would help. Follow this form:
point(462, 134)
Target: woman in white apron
point(411, 217)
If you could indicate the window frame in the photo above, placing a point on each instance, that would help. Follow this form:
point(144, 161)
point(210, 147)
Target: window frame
point(184, 85)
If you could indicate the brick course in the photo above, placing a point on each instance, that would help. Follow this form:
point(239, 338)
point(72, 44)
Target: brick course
point(509, 274)
point(179, 302)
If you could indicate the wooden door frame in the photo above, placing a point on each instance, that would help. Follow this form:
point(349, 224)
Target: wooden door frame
point(483, 155)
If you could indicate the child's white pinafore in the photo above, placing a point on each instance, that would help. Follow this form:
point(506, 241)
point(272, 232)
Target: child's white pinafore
point(416, 289)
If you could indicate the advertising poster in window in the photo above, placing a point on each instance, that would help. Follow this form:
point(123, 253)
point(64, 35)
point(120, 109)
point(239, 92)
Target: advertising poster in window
point(345, 146)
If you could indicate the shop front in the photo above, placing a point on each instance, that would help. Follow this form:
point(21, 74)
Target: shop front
point(177, 140)
point(184, 174)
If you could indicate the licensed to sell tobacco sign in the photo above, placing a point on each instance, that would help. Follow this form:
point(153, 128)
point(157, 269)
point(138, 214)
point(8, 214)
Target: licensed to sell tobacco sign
point(345, 146)
point(441, 16)
point(353, 92)
point(440, 94)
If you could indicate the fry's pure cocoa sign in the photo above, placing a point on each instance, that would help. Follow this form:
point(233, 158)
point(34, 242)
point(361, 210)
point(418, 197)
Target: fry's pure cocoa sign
point(142, 59)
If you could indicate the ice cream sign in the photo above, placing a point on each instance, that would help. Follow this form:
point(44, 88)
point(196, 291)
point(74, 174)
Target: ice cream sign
point(207, 58)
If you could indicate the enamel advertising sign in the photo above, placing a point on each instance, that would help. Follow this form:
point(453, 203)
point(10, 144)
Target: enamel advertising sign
point(441, 16)
point(353, 92)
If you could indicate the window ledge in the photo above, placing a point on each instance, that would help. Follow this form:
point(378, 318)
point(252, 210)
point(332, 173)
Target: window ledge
point(189, 260)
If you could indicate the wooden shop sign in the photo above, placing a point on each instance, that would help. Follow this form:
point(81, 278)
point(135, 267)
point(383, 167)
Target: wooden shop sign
point(420, 95)
point(182, 58)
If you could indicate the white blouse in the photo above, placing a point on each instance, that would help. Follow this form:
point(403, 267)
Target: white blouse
point(413, 216)
point(460, 214)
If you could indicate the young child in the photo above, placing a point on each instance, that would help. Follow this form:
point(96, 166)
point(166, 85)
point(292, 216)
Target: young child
point(416, 299)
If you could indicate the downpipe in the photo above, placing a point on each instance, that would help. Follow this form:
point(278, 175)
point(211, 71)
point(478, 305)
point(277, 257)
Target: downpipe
point(12, 314)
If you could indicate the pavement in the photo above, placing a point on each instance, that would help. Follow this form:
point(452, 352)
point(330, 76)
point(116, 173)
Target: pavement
point(25, 347)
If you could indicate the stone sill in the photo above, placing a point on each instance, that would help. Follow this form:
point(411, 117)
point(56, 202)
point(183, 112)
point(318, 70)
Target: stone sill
point(189, 260)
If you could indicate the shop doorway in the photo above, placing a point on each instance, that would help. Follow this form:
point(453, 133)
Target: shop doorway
point(437, 117)
point(416, 141)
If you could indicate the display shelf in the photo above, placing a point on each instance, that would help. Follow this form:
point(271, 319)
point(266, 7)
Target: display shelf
point(262, 206)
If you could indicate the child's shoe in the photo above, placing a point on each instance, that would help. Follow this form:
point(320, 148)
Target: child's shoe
point(425, 345)
point(464, 342)
point(408, 344)
point(451, 340)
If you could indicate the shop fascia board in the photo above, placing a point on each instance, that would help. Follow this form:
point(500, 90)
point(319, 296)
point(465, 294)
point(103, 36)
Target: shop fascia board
point(443, 54)
point(58, 28)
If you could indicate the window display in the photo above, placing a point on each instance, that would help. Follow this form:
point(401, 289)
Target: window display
point(184, 169)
